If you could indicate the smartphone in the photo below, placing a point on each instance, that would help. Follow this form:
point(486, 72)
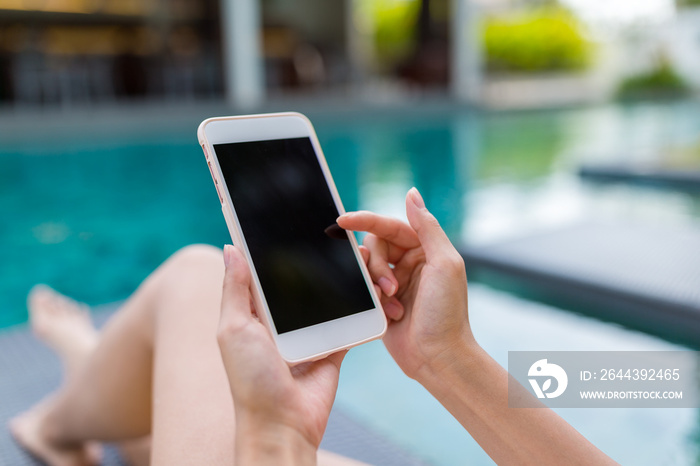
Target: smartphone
point(311, 287)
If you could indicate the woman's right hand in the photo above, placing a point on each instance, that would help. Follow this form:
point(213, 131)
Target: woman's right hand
point(425, 293)
point(425, 298)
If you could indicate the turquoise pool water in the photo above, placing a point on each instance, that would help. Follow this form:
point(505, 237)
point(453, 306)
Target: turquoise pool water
point(93, 215)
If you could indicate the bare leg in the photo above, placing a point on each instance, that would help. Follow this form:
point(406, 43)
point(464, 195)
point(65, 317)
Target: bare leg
point(156, 368)
point(65, 326)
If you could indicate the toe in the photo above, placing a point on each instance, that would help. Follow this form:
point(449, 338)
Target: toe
point(18, 427)
point(14, 426)
point(40, 302)
point(39, 292)
point(93, 453)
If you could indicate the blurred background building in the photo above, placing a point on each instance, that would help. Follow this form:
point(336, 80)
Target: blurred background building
point(503, 53)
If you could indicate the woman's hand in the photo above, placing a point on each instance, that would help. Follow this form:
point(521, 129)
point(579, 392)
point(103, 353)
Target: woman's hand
point(425, 297)
point(281, 412)
point(425, 294)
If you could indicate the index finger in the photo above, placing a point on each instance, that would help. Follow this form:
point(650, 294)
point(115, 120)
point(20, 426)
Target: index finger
point(390, 229)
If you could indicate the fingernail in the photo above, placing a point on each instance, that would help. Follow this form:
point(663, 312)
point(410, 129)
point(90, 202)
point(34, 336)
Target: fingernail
point(346, 215)
point(417, 198)
point(228, 251)
point(387, 286)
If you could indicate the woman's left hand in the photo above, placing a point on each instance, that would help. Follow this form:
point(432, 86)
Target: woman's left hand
point(283, 407)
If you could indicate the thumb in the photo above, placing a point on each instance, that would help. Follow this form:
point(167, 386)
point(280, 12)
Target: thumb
point(432, 237)
point(235, 300)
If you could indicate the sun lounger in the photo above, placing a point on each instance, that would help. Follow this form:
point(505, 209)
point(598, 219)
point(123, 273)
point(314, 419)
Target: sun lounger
point(643, 276)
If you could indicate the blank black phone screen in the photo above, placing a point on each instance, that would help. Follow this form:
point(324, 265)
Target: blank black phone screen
point(307, 269)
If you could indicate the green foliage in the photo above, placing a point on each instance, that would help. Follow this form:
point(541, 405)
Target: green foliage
point(547, 39)
point(685, 157)
point(662, 81)
point(394, 23)
point(690, 3)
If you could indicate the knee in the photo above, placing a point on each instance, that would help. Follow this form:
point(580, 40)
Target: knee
point(197, 254)
point(190, 262)
point(189, 280)
point(194, 271)
point(187, 291)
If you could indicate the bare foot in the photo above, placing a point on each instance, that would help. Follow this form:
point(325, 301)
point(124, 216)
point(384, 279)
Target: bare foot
point(63, 324)
point(27, 430)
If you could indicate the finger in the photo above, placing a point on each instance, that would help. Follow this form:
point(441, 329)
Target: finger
point(337, 358)
point(378, 265)
point(433, 239)
point(393, 308)
point(391, 229)
point(235, 300)
point(395, 251)
point(311, 368)
point(365, 254)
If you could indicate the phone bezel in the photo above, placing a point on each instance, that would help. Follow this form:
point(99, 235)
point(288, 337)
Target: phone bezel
point(319, 340)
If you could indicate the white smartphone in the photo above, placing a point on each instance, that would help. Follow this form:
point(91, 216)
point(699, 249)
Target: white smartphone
point(311, 286)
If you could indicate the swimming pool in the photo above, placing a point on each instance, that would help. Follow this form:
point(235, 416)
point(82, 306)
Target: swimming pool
point(92, 213)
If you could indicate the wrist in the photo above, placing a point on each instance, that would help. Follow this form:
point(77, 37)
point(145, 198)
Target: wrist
point(453, 364)
point(261, 442)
